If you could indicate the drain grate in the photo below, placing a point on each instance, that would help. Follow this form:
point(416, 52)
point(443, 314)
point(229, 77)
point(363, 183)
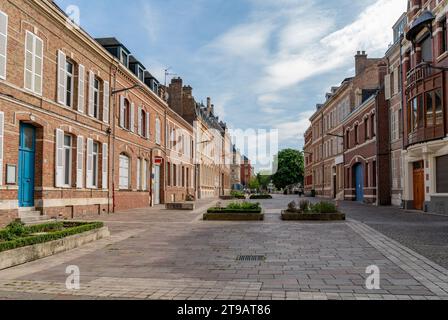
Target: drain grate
point(251, 258)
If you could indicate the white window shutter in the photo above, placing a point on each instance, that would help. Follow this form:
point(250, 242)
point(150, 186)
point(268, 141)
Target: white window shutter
point(91, 93)
point(387, 87)
point(59, 167)
point(38, 65)
point(81, 88)
point(62, 77)
point(29, 52)
point(144, 175)
point(122, 111)
point(2, 138)
point(105, 166)
point(3, 43)
point(80, 162)
point(147, 125)
point(132, 117)
point(89, 166)
point(139, 121)
point(139, 170)
point(106, 101)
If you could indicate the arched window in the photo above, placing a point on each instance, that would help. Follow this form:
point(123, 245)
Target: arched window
point(124, 172)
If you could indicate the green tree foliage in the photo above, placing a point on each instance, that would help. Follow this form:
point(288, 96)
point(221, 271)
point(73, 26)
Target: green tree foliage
point(263, 180)
point(254, 184)
point(290, 168)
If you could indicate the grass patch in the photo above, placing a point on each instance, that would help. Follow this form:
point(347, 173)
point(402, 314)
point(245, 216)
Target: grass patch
point(17, 235)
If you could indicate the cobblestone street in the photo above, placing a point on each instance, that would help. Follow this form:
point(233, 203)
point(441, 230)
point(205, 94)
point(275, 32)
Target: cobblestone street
point(159, 254)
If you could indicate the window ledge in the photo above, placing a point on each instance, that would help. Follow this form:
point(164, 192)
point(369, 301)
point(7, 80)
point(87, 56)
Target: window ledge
point(442, 56)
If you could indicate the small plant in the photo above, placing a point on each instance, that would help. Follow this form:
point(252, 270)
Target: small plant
point(243, 206)
point(189, 197)
point(237, 194)
point(218, 205)
point(304, 205)
point(324, 207)
point(292, 206)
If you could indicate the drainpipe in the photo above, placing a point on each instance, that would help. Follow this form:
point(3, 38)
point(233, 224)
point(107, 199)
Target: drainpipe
point(114, 79)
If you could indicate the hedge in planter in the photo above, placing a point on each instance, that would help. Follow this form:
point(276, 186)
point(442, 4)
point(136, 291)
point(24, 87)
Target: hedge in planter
point(322, 211)
point(236, 212)
point(17, 235)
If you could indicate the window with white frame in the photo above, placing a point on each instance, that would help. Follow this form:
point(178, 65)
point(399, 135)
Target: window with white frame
point(3, 43)
point(67, 161)
point(124, 172)
point(139, 170)
point(34, 50)
point(69, 71)
point(96, 98)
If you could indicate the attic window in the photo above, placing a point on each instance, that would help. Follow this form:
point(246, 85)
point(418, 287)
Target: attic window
point(124, 58)
point(140, 73)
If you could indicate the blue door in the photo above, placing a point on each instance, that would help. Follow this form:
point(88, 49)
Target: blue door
point(359, 182)
point(27, 154)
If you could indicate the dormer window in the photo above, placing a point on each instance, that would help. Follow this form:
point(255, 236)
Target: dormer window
point(140, 73)
point(124, 59)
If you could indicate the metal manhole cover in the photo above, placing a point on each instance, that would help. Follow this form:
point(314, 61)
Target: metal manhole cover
point(251, 258)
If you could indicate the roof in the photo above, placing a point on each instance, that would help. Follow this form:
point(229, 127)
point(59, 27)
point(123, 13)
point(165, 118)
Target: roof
point(111, 42)
point(133, 60)
point(424, 20)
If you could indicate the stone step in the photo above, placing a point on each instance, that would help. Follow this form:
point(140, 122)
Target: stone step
point(36, 220)
point(29, 214)
point(27, 209)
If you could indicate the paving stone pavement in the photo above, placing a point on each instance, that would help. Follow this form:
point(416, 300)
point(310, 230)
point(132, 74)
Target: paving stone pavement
point(160, 254)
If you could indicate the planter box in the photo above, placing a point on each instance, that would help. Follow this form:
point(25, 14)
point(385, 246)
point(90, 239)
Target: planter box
point(234, 216)
point(260, 197)
point(23, 255)
point(232, 197)
point(180, 206)
point(292, 216)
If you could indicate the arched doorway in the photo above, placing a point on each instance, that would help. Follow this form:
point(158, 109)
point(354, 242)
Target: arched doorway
point(358, 172)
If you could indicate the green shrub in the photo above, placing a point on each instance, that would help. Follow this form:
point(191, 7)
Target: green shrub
point(260, 196)
point(304, 205)
point(324, 207)
point(237, 208)
point(237, 194)
point(56, 231)
point(243, 206)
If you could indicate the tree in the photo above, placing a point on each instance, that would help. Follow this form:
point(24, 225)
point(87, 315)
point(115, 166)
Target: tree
point(254, 184)
point(263, 180)
point(290, 168)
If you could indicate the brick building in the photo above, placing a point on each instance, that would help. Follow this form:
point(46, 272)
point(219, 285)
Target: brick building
point(235, 167)
point(55, 118)
point(83, 124)
point(394, 97)
point(308, 161)
point(425, 140)
point(212, 145)
point(247, 171)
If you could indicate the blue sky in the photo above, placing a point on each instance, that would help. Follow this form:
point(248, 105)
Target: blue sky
point(265, 63)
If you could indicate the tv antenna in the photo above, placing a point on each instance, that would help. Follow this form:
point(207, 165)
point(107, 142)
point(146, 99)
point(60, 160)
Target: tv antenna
point(167, 74)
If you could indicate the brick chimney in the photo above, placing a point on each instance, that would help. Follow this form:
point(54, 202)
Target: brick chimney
point(209, 106)
point(360, 62)
point(175, 91)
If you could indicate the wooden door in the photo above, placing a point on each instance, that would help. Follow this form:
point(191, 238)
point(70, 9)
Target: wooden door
point(419, 186)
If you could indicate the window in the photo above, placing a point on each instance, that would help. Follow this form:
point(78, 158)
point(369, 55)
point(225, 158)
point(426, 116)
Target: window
point(347, 139)
point(124, 58)
point(95, 152)
point(426, 49)
point(3, 43)
point(374, 174)
point(140, 73)
point(356, 135)
point(67, 161)
point(442, 174)
point(168, 168)
point(366, 129)
point(96, 98)
point(438, 107)
point(372, 125)
point(442, 35)
point(69, 69)
point(125, 114)
point(124, 172)
point(34, 49)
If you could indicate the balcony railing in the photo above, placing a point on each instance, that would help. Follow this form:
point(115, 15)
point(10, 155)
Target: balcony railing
point(419, 73)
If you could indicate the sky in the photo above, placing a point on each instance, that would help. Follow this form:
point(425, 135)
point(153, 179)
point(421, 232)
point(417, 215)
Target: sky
point(264, 63)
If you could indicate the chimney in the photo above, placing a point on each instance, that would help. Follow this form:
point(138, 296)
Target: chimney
point(188, 91)
point(212, 109)
point(360, 62)
point(175, 93)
